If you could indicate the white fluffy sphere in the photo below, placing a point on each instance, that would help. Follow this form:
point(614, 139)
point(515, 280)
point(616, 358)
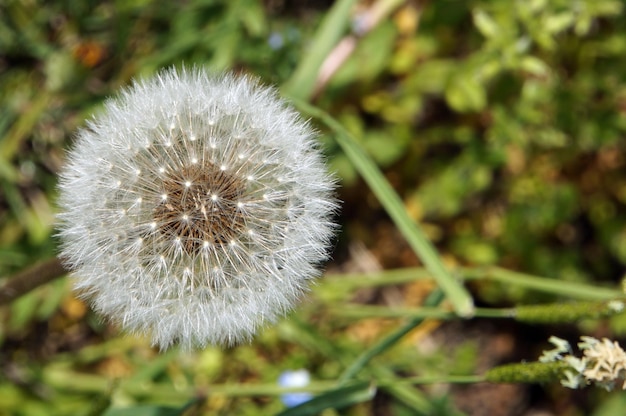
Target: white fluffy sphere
point(195, 208)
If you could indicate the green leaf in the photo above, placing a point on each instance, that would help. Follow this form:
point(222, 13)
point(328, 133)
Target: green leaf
point(24, 310)
point(53, 296)
point(431, 77)
point(559, 22)
point(388, 341)
point(333, 27)
point(611, 405)
point(534, 66)
point(151, 410)
point(334, 399)
point(145, 411)
point(485, 24)
point(252, 16)
point(465, 94)
point(370, 58)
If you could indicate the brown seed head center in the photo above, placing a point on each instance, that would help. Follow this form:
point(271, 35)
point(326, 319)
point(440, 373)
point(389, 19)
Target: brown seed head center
point(200, 205)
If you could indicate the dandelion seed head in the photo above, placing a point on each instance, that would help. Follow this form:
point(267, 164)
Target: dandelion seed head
point(185, 246)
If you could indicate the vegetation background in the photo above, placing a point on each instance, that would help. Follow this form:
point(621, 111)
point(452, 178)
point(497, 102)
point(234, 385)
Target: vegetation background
point(500, 124)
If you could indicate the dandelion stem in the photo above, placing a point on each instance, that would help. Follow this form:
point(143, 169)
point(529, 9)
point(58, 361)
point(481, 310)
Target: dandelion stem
point(31, 278)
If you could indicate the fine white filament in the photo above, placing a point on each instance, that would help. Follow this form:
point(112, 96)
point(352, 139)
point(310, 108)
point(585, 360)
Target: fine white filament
point(195, 208)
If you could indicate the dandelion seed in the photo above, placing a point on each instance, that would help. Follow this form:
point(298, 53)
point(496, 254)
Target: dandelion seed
point(199, 275)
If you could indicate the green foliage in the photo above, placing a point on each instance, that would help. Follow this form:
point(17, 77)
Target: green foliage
point(334, 399)
point(150, 410)
point(512, 117)
point(491, 130)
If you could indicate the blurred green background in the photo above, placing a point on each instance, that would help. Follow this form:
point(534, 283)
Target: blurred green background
point(500, 124)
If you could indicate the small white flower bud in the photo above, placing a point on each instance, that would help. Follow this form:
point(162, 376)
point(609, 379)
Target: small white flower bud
point(195, 208)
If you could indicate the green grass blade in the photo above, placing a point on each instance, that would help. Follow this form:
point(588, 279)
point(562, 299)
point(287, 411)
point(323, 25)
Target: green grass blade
point(387, 342)
point(456, 293)
point(334, 399)
point(559, 287)
point(422, 312)
point(333, 27)
point(338, 286)
point(146, 410)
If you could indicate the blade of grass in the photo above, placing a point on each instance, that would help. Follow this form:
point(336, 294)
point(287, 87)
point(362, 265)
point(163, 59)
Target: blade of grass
point(153, 409)
point(335, 399)
point(458, 296)
point(333, 27)
point(394, 385)
point(556, 286)
point(547, 313)
point(375, 311)
point(336, 285)
point(300, 332)
point(433, 300)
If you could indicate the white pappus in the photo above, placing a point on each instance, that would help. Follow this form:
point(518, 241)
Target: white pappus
point(195, 208)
